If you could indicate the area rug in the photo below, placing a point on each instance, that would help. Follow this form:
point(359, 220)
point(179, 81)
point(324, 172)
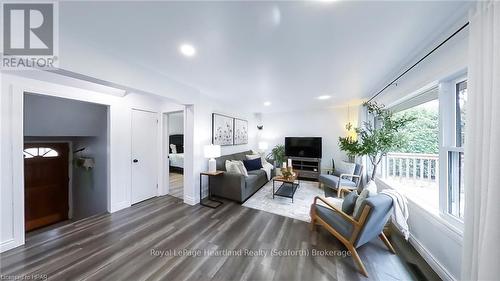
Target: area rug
point(299, 209)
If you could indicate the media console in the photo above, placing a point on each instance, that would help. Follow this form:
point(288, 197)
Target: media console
point(307, 168)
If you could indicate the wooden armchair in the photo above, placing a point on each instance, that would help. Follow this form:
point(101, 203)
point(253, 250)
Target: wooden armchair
point(343, 181)
point(354, 232)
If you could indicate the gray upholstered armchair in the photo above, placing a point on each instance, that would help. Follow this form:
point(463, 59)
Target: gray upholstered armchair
point(356, 231)
point(338, 182)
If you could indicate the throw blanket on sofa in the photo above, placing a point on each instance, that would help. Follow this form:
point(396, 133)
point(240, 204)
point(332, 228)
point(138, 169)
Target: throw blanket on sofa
point(399, 211)
point(267, 168)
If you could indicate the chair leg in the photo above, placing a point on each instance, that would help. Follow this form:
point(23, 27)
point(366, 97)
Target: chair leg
point(358, 261)
point(312, 213)
point(386, 242)
point(313, 224)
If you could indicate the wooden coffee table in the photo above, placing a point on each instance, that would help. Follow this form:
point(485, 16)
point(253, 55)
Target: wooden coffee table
point(287, 188)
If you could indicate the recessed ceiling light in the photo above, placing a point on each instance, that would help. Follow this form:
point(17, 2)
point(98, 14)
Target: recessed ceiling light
point(267, 103)
point(325, 97)
point(188, 50)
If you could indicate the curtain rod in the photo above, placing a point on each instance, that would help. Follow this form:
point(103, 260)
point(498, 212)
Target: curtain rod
point(419, 61)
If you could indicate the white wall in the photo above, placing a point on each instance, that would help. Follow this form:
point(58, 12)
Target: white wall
point(448, 60)
point(440, 244)
point(326, 123)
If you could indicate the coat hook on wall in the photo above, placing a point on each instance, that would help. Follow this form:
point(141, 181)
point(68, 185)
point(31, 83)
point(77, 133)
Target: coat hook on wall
point(260, 127)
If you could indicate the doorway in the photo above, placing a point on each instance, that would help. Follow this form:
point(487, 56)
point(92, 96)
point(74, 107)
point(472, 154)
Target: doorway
point(46, 184)
point(144, 155)
point(174, 122)
point(65, 160)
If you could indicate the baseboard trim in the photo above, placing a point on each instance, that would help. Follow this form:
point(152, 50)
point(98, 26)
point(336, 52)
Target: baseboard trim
point(189, 200)
point(429, 258)
point(7, 245)
point(119, 206)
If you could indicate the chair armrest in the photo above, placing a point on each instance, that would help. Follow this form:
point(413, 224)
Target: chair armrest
point(327, 170)
point(346, 216)
point(349, 175)
point(343, 190)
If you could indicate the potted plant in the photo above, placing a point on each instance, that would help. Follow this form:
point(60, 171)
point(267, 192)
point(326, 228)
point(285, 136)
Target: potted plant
point(278, 155)
point(376, 141)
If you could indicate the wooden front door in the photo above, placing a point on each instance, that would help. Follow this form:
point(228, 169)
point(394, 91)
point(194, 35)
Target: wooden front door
point(45, 184)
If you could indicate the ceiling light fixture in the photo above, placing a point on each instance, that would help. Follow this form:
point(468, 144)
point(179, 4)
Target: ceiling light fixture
point(325, 97)
point(188, 50)
point(267, 103)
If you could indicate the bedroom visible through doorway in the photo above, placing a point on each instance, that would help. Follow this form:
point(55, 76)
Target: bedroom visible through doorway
point(175, 129)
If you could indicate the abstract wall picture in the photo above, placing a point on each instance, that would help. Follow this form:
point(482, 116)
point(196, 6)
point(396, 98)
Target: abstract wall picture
point(240, 131)
point(222, 129)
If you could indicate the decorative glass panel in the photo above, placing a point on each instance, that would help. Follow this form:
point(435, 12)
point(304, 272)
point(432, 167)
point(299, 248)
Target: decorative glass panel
point(40, 152)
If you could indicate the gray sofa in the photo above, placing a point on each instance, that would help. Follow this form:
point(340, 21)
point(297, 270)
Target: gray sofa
point(236, 187)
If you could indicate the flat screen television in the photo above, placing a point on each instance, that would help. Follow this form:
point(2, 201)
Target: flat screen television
point(310, 147)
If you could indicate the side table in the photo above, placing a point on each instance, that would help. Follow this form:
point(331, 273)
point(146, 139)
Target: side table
point(209, 175)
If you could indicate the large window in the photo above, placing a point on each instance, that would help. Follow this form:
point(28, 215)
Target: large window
point(429, 170)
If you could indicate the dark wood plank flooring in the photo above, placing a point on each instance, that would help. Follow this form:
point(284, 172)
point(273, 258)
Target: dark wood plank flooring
point(120, 246)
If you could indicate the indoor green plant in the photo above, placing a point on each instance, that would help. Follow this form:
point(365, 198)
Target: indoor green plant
point(278, 155)
point(376, 141)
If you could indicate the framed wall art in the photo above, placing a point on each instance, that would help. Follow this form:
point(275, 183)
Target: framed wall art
point(240, 131)
point(222, 129)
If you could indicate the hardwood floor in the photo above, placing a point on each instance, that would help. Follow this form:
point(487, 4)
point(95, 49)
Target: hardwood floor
point(176, 187)
point(126, 245)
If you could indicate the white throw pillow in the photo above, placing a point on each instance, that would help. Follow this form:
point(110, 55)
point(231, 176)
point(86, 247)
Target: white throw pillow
point(232, 167)
point(236, 167)
point(371, 186)
point(242, 167)
point(173, 147)
point(343, 167)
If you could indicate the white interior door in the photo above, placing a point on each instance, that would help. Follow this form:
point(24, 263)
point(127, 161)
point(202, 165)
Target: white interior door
point(144, 155)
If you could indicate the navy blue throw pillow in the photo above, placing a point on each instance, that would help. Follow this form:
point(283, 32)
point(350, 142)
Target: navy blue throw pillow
point(254, 164)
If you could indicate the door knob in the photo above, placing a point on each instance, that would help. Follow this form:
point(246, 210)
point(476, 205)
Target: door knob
point(135, 160)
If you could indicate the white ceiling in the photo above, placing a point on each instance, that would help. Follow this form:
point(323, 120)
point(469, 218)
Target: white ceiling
point(284, 52)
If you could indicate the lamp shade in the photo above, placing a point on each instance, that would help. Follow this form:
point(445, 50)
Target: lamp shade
point(211, 151)
point(263, 145)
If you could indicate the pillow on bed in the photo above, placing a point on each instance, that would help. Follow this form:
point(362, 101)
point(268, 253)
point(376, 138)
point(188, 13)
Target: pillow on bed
point(173, 148)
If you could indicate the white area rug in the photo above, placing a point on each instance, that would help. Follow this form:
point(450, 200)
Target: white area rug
point(299, 209)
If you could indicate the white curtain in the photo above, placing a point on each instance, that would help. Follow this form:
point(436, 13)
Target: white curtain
point(481, 247)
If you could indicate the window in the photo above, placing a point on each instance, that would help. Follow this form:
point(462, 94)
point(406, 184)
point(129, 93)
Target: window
point(414, 169)
point(429, 170)
point(39, 152)
point(455, 180)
